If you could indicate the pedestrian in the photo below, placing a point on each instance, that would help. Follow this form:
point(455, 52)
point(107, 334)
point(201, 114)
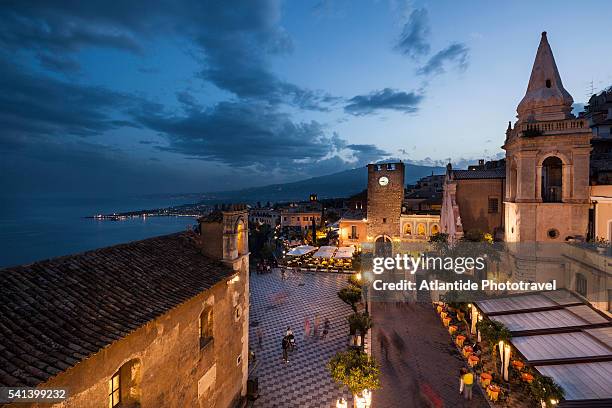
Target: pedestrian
point(306, 327)
point(285, 346)
point(462, 372)
point(317, 321)
point(384, 345)
point(468, 382)
point(326, 326)
point(259, 336)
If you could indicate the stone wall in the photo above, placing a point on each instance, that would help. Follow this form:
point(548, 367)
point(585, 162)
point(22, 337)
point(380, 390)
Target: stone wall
point(174, 370)
point(385, 202)
point(473, 200)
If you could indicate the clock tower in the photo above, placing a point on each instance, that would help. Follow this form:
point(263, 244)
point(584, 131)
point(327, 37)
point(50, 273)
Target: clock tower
point(385, 197)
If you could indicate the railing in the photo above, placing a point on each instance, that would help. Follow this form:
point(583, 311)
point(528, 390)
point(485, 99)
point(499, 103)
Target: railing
point(555, 126)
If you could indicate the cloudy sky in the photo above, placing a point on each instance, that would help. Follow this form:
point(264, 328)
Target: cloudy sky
point(187, 95)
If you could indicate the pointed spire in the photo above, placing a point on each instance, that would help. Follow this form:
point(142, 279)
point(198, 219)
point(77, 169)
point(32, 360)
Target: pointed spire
point(545, 99)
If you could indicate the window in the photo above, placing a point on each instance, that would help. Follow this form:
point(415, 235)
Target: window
point(391, 166)
point(435, 229)
point(421, 229)
point(114, 390)
point(581, 284)
point(384, 220)
point(298, 218)
point(548, 83)
point(552, 180)
point(378, 167)
point(493, 205)
point(206, 327)
point(407, 229)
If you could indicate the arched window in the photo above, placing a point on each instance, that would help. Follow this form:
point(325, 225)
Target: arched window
point(435, 229)
point(581, 284)
point(552, 180)
point(407, 229)
point(421, 229)
point(124, 386)
point(206, 327)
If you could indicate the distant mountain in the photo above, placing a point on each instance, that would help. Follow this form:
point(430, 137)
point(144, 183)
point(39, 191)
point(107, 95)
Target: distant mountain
point(342, 184)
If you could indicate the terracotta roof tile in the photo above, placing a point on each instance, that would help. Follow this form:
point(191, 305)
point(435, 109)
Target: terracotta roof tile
point(57, 312)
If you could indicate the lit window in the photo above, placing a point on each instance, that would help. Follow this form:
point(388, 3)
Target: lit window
point(206, 327)
point(421, 229)
point(435, 229)
point(114, 390)
point(407, 229)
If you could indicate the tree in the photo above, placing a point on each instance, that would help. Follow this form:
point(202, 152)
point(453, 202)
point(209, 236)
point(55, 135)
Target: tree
point(356, 370)
point(360, 322)
point(350, 295)
point(493, 332)
point(544, 388)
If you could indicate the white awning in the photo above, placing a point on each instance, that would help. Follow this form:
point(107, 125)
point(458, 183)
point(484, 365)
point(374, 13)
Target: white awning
point(301, 250)
point(345, 252)
point(325, 252)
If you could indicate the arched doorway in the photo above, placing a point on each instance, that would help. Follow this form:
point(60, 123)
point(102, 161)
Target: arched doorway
point(383, 246)
point(552, 180)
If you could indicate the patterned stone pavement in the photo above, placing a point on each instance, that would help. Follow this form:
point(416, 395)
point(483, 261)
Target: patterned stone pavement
point(422, 369)
point(275, 304)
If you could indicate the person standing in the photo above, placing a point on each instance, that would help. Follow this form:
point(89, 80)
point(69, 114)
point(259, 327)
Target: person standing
point(285, 346)
point(468, 382)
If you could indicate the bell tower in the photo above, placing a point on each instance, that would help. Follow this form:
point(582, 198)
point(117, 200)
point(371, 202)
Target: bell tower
point(385, 197)
point(547, 160)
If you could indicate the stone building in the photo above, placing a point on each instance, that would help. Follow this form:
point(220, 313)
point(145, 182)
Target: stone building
point(161, 322)
point(299, 218)
point(267, 216)
point(473, 200)
point(387, 219)
point(547, 160)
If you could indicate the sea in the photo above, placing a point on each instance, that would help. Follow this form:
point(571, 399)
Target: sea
point(34, 228)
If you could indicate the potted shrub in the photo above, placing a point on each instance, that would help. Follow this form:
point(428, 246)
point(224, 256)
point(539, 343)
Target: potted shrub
point(355, 370)
point(350, 295)
point(359, 323)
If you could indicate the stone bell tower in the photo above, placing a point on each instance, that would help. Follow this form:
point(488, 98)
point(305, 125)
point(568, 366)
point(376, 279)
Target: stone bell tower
point(385, 197)
point(547, 160)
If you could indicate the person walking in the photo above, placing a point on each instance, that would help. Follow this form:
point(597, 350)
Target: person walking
point(384, 344)
point(285, 346)
point(326, 326)
point(260, 336)
point(306, 327)
point(468, 382)
point(462, 372)
point(317, 321)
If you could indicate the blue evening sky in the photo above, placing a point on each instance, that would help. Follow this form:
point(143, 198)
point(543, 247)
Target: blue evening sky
point(189, 96)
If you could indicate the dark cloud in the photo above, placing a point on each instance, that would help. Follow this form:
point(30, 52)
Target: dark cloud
point(387, 98)
point(414, 40)
point(243, 135)
point(367, 153)
point(57, 63)
point(33, 105)
point(455, 54)
point(233, 43)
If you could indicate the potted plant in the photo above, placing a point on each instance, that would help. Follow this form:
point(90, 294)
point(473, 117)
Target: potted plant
point(350, 295)
point(355, 370)
point(359, 323)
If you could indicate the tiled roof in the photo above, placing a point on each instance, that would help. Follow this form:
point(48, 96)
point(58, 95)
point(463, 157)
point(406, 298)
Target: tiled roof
point(480, 174)
point(58, 312)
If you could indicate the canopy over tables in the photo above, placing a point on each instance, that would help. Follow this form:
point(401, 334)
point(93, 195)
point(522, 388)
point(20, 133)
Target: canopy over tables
point(301, 250)
point(345, 252)
point(563, 337)
point(325, 252)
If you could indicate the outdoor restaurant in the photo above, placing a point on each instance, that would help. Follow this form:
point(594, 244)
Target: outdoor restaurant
point(551, 347)
point(324, 258)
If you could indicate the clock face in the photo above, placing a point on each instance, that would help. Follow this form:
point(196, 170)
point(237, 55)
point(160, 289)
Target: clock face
point(383, 181)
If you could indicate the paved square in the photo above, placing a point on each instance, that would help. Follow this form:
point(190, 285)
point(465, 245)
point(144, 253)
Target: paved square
point(276, 304)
